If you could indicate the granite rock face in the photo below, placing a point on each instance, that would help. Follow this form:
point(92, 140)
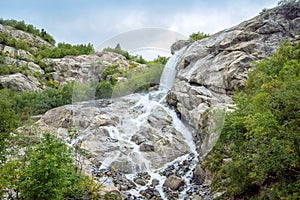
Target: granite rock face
point(210, 69)
point(19, 82)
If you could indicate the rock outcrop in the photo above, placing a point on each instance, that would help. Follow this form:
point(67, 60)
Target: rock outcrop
point(19, 82)
point(84, 67)
point(210, 69)
point(33, 40)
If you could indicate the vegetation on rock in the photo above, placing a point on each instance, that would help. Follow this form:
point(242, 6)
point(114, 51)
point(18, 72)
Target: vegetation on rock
point(21, 25)
point(198, 36)
point(260, 139)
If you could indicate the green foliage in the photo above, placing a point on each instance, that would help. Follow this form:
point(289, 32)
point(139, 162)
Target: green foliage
point(83, 91)
point(46, 171)
point(198, 36)
point(118, 50)
point(160, 60)
point(139, 79)
point(104, 90)
point(64, 49)
point(12, 69)
point(27, 103)
point(49, 172)
point(13, 42)
point(21, 25)
point(8, 118)
point(262, 135)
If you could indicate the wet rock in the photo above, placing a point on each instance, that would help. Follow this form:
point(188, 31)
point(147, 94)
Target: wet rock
point(174, 182)
point(146, 146)
point(155, 182)
point(140, 181)
point(137, 139)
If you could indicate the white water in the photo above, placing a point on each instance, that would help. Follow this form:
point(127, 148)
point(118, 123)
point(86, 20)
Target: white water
point(131, 123)
point(169, 73)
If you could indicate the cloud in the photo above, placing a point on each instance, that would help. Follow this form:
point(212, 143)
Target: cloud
point(96, 21)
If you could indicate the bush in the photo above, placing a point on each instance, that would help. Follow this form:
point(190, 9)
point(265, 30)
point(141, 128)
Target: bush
point(139, 80)
point(198, 36)
point(104, 90)
point(262, 135)
point(47, 171)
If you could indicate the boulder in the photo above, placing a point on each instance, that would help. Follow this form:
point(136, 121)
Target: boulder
point(173, 182)
point(18, 82)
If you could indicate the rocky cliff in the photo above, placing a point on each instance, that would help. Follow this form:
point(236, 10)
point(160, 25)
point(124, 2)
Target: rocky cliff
point(210, 69)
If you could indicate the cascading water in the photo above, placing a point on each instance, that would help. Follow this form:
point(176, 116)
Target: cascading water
point(169, 73)
point(149, 137)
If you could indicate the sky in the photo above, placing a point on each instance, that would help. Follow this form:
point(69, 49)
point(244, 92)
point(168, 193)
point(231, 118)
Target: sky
point(100, 21)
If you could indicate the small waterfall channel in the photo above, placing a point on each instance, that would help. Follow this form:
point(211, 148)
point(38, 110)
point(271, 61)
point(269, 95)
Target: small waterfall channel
point(153, 144)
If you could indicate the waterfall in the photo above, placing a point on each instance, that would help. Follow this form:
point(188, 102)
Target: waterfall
point(169, 73)
point(148, 137)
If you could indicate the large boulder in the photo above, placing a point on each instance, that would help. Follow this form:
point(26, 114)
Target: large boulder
point(210, 69)
point(19, 82)
point(173, 182)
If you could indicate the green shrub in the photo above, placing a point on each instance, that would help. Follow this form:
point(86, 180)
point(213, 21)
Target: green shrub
point(198, 36)
point(262, 135)
point(63, 50)
point(139, 79)
point(46, 171)
point(104, 90)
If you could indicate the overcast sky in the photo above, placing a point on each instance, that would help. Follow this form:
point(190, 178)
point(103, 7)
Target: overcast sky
point(95, 21)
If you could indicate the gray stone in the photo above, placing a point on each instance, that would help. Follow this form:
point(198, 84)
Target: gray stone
point(140, 181)
point(179, 45)
point(155, 182)
point(84, 68)
point(18, 82)
point(173, 182)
